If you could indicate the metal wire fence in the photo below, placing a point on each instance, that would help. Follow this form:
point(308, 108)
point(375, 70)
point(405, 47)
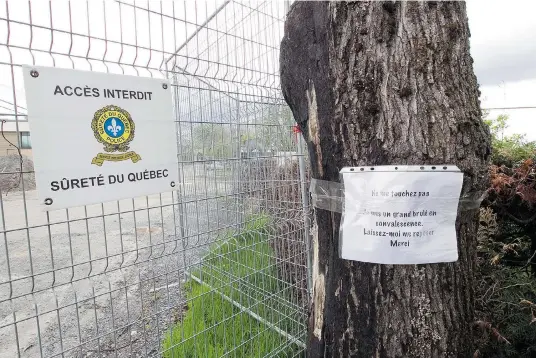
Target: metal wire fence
point(217, 268)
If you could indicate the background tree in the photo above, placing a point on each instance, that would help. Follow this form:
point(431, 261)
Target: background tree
point(375, 83)
point(510, 149)
point(217, 140)
point(272, 128)
point(212, 140)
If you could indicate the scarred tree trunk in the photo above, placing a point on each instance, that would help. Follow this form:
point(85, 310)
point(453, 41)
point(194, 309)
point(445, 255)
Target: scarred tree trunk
point(377, 83)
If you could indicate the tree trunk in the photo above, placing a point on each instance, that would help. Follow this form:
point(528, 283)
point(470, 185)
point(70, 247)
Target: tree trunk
point(382, 83)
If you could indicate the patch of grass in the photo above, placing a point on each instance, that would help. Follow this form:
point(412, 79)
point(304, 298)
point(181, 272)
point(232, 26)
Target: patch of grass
point(264, 316)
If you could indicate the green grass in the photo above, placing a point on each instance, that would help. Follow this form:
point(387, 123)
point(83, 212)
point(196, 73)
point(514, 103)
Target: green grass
point(241, 268)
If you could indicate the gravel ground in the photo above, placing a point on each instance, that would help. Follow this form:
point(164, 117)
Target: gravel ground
point(116, 278)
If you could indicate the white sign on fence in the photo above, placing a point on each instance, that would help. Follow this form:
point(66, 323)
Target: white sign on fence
point(99, 137)
point(400, 216)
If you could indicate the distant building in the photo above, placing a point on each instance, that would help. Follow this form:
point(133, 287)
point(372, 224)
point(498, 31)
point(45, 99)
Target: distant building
point(10, 133)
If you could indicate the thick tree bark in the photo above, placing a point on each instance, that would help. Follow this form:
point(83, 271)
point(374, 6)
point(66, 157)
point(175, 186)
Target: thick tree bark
point(377, 83)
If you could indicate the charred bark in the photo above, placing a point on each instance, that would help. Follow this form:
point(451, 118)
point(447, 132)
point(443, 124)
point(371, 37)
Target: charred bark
point(377, 83)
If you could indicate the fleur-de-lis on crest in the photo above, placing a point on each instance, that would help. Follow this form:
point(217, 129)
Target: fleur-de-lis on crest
point(114, 127)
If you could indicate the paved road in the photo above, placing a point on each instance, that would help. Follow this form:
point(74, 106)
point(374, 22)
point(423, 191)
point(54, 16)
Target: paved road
point(112, 282)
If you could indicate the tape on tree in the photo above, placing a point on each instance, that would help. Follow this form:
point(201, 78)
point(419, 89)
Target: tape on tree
point(396, 214)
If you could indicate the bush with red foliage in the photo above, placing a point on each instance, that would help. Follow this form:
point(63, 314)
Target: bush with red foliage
point(512, 196)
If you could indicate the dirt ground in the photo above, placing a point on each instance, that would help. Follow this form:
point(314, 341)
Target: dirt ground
point(106, 286)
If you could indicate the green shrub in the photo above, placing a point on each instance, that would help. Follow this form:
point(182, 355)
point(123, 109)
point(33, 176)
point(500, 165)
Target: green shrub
point(508, 150)
point(507, 300)
point(506, 290)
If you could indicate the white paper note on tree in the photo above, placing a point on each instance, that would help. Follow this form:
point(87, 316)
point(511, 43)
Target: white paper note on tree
point(404, 216)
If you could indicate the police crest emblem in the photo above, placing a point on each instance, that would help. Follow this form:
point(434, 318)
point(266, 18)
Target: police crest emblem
point(115, 129)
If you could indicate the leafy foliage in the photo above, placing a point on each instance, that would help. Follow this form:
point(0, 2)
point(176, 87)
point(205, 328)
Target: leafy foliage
point(506, 302)
point(508, 150)
point(513, 191)
point(506, 291)
point(212, 140)
point(270, 128)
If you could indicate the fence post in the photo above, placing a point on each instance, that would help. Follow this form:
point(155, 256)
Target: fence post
point(305, 205)
point(180, 184)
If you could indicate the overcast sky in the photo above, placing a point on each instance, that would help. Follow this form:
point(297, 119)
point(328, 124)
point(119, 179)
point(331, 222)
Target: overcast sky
point(503, 45)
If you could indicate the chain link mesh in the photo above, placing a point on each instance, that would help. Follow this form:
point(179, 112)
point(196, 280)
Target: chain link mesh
point(217, 268)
